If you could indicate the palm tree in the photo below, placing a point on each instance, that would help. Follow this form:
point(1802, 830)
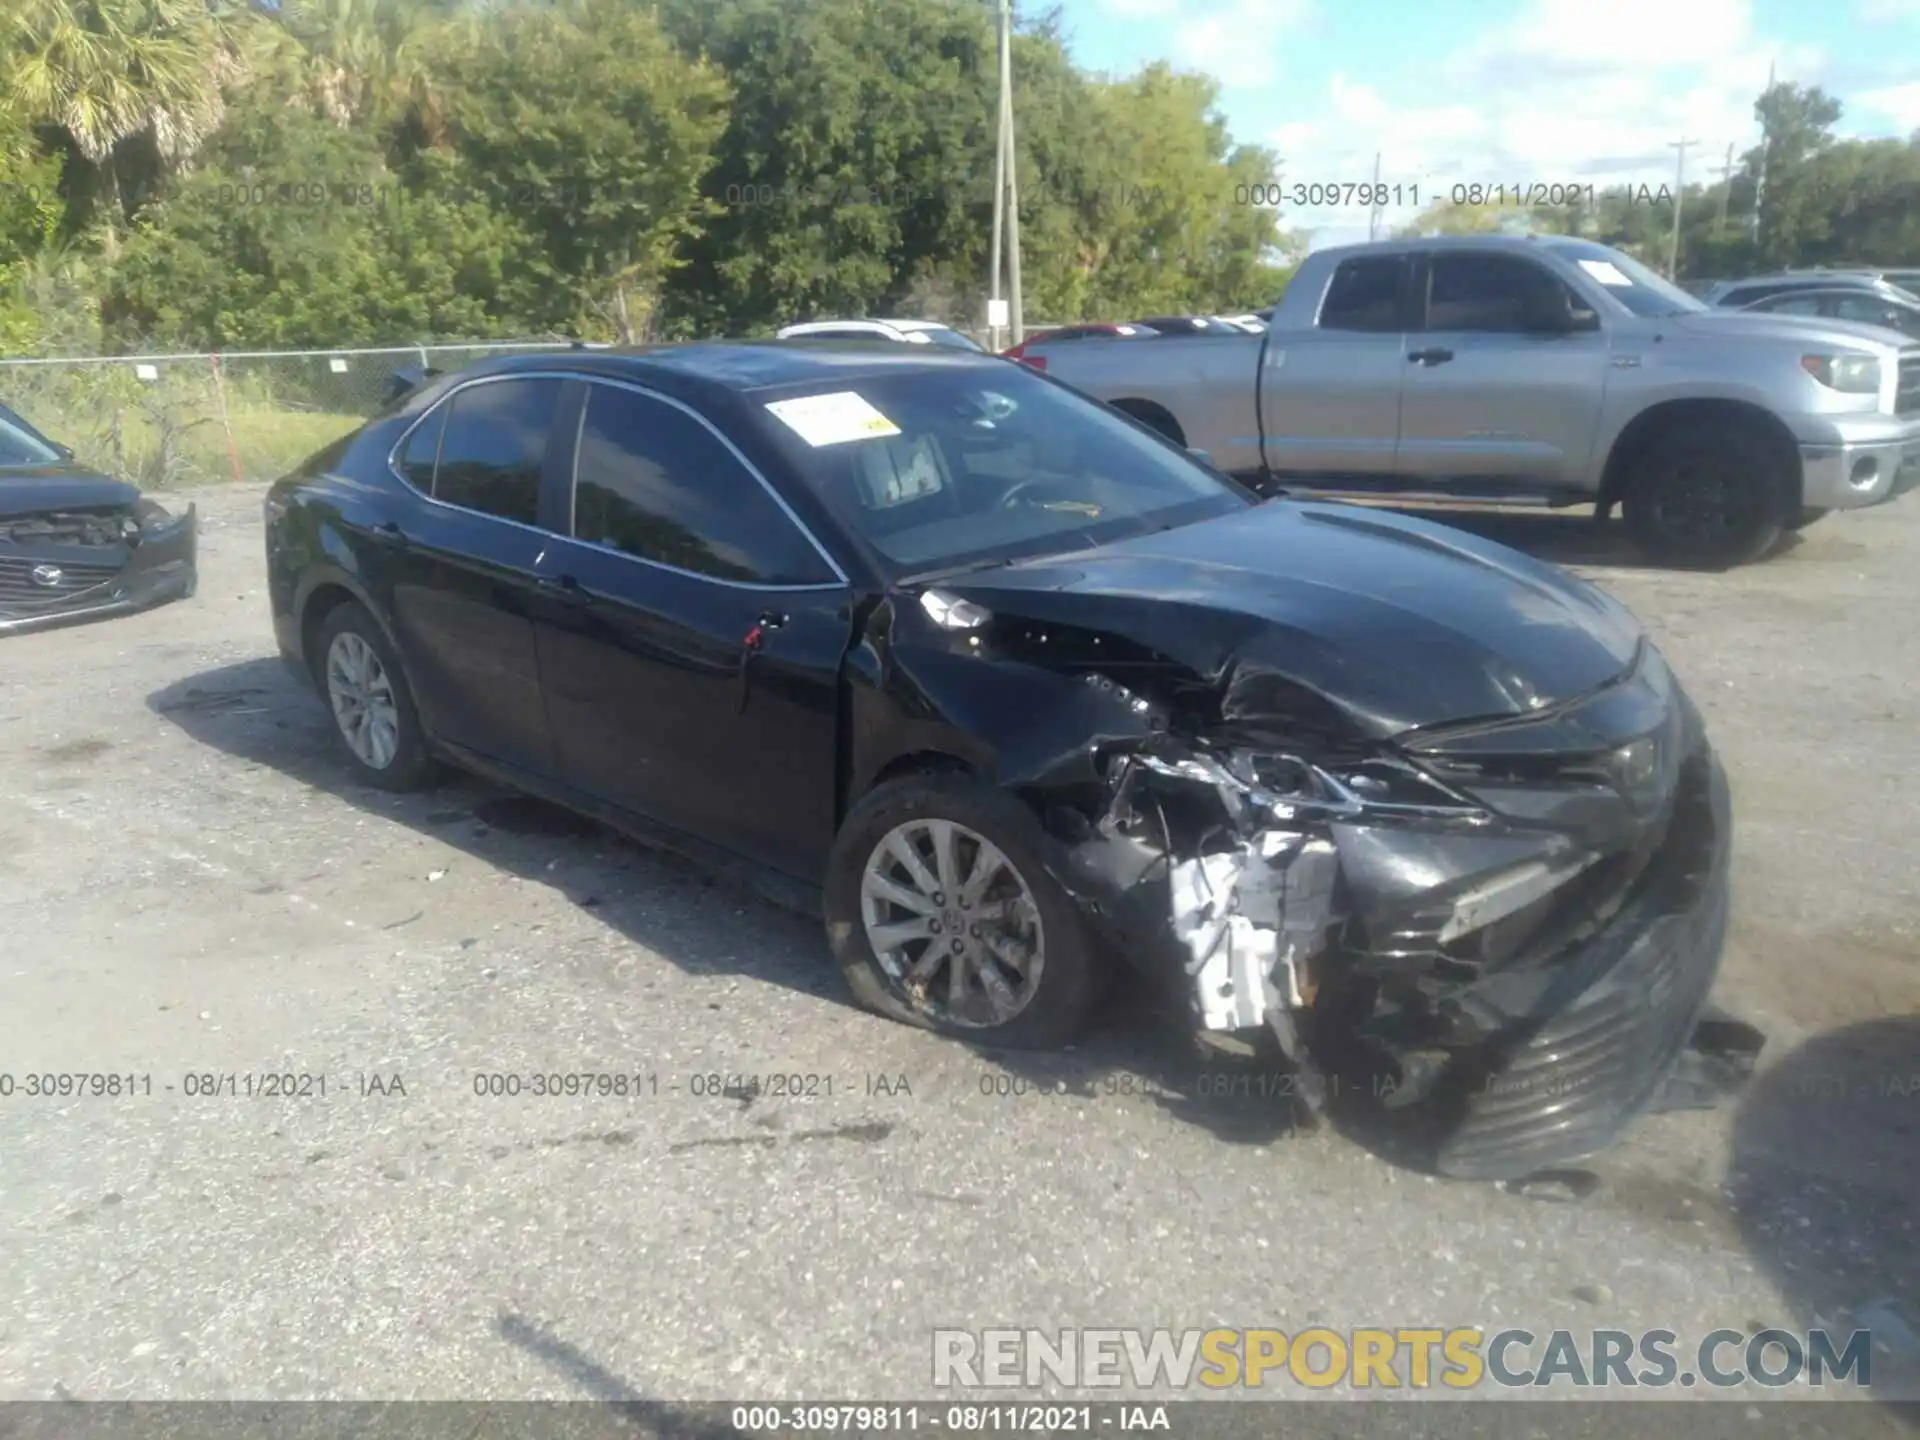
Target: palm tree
point(106, 71)
point(364, 56)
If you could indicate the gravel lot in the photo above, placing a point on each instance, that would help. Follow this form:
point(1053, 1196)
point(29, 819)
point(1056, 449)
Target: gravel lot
point(189, 884)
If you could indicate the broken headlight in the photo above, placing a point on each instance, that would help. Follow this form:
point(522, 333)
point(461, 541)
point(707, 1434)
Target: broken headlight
point(1381, 786)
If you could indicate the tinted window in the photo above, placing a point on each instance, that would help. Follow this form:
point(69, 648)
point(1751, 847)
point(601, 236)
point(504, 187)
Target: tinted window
point(1364, 295)
point(494, 446)
point(1491, 293)
point(985, 465)
point(1876, 312)
point(1793, 305)
point(417, 456)
point(654, 482)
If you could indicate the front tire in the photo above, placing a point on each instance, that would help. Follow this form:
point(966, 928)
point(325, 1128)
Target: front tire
point(1704, 498)
point(366, 691)
point(1808, 514)
point(941, 914)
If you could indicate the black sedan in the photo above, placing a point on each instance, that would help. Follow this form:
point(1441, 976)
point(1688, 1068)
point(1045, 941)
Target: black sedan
point(1025, 695)
point(76, 545)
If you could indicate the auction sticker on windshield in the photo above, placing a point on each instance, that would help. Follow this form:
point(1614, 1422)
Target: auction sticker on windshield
point(832, 419)
point(1606, 272)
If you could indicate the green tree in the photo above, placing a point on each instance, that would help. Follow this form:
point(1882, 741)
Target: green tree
point(1796, 124)
point(110, 74)
point(294, 234)
point(582, 126)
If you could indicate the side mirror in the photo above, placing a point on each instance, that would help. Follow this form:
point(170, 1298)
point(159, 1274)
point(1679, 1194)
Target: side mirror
point(65, 452)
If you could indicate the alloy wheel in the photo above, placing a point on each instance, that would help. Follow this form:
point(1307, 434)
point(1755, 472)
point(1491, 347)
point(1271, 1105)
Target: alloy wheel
point(953, 923)
point(361, 693)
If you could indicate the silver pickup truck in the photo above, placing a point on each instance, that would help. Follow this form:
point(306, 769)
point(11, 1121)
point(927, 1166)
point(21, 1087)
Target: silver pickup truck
point(1533, 370)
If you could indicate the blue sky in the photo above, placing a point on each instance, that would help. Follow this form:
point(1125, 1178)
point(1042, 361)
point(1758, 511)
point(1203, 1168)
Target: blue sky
point(1514, 91)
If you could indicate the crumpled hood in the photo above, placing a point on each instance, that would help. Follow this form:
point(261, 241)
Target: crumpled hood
point(1789, 329)
point(1399, 623)
point(29, 489)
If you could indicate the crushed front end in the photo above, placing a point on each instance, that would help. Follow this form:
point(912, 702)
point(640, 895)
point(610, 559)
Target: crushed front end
point(70, 562)
point(1507, 929)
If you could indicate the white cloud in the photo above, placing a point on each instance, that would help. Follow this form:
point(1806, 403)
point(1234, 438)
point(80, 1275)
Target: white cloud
point(1878, 12)
point(1567, 93)
point(1899, 105)
point(1238, 42)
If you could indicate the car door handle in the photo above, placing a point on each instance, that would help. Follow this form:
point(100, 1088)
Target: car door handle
point(388, 536)
point(564, 588)
point(1433, 355)
point(757, 635)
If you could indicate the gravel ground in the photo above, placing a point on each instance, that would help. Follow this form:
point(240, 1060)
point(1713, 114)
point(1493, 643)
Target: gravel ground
point(190, 885)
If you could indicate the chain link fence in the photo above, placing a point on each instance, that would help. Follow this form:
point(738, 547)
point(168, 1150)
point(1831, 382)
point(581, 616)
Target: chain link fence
point(163, 421)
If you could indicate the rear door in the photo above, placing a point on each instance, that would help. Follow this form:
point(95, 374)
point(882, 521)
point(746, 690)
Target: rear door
point(1489, 395)
point(460, 566)
point(1330, 397)
point(691, 634)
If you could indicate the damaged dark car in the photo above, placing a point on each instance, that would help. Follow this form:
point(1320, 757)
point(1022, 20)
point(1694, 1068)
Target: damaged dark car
point(1026, 697)
point(76, 545)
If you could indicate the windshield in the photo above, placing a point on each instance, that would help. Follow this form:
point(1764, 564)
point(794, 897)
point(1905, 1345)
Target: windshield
point(948, 468)
point(21, 444)
point(952, 339)
point(1628, 282)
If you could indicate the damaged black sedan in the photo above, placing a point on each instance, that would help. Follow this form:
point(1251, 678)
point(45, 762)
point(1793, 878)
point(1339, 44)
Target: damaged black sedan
point(76, 545)
point(1027, 695)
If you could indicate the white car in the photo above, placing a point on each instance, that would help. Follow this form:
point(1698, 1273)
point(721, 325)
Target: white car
point(912, 332)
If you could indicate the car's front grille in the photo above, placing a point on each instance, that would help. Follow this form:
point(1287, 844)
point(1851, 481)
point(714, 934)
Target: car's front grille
point(57, 583)
point(1577, 1080)
point(1906, 396)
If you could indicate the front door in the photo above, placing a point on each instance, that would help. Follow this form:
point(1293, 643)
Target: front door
point(1491, 394)
point(691, 637)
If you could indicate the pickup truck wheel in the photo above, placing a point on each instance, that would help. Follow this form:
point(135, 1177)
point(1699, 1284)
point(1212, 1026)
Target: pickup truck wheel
point(1808, 514)
point(941, 914)
point(1708, 498)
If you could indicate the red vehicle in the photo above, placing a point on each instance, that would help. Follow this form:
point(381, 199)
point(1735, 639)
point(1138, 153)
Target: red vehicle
point(1064, 332)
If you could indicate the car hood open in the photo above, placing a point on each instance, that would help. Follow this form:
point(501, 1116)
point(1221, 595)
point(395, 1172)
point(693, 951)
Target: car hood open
point(1399, 623)
point(29, 489)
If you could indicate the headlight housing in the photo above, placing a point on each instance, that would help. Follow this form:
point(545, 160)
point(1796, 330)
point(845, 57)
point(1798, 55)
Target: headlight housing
point(1849, 374)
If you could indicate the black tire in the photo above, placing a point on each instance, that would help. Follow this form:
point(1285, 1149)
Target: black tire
point(1070, 978)
point(411, 767)
point(1808, 514)
point(1706, 497)
point(1154, 419)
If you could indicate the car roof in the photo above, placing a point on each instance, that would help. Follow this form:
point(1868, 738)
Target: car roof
point(746, 366)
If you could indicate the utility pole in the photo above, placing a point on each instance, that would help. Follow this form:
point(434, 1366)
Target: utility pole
point(1373, 211)
point(996, 330)
point(1726, 188)
point(1679, 195)
point(1006, 191)
point(1760, 177)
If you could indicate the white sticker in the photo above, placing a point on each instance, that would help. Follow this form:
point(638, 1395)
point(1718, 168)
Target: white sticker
point(1606, 272)
point(337, 365)
point(832, 419)
point(146, 372)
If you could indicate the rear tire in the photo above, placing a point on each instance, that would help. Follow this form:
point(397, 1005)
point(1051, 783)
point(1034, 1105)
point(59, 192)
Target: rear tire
point(1708, 498)
point(365, 689)
point(1023, 915)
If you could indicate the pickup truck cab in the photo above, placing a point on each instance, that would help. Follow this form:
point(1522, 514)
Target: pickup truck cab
point(1541, 370)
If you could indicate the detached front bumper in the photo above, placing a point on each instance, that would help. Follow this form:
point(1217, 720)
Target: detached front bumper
point(1867, 461)
point(1621, 1011)
point(163, 566)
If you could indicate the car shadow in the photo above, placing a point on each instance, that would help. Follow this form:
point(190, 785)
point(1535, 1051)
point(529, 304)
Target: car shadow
point(1825, 1191)
point(1562, 537)
point(712, 922)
